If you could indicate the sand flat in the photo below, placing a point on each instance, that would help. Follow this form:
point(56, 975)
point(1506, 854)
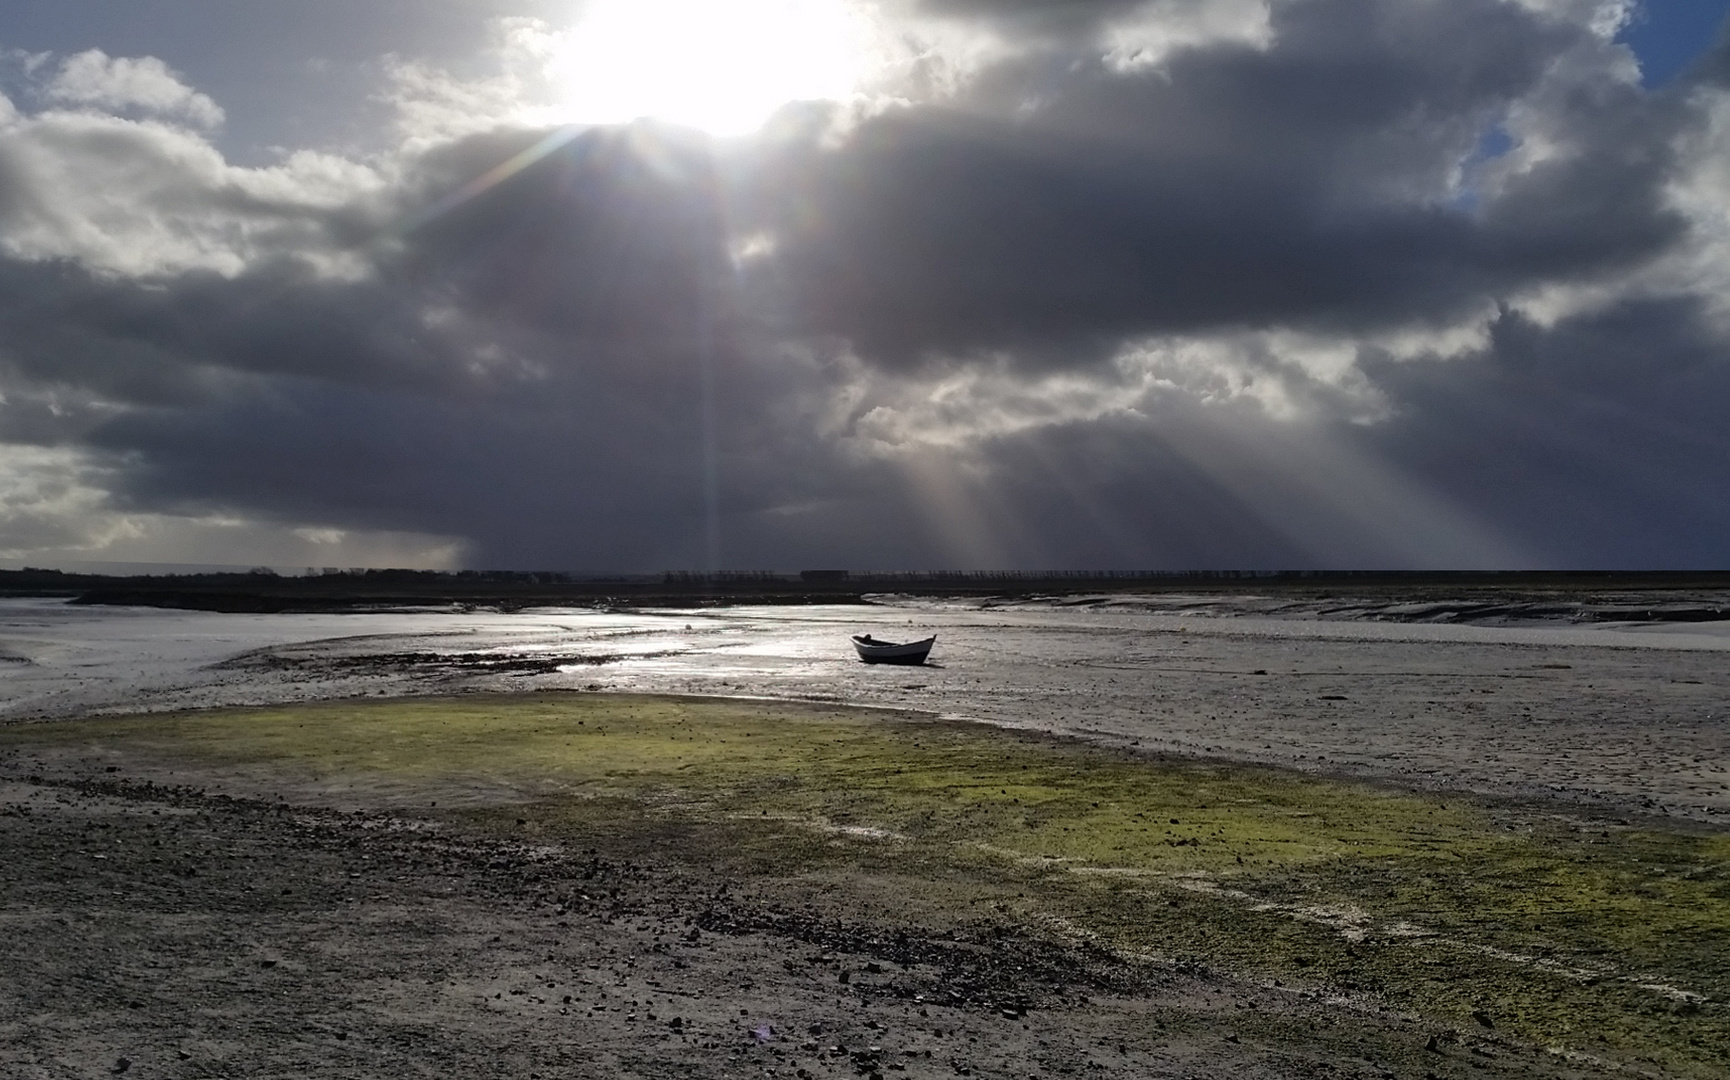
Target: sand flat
point(1624, 715)
point(610, 884)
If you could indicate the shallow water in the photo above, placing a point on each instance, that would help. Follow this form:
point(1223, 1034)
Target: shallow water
point(1631, 714)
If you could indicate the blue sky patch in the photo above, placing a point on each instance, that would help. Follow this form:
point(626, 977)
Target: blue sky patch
point(1668, 35)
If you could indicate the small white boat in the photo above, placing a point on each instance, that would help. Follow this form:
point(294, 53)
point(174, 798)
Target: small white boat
point(872, 651)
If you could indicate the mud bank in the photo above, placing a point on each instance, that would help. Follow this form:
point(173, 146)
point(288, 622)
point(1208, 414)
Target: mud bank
point(586, 884)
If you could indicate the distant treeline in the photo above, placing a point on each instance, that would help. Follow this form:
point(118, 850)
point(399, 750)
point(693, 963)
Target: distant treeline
point(264, 590)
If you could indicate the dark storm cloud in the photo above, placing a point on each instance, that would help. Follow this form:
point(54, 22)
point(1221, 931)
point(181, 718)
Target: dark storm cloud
point(571, 365)
point(602, 249)
point(526, 483)
point(174, 344)
point(1303, 184)
point(1602, 438)
point(1031, 18)
point(526, 367)
point(618, 236)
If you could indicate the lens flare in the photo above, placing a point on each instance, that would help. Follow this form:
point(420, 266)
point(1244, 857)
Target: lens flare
point(721, 67)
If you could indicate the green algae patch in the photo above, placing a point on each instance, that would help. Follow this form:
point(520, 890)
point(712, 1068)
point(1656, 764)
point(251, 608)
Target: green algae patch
point(1555, 928)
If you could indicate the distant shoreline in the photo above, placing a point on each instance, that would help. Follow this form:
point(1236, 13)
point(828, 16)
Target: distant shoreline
point(1675, 596)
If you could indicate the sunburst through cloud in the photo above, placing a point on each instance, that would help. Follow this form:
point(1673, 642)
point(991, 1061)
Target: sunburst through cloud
point(748, 267)
point(723, 68)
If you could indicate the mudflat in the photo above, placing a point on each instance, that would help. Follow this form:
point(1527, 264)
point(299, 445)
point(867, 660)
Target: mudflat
point(1616, 714)
point(588, 884)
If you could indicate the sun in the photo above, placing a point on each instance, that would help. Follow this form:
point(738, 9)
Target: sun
point(723, 66)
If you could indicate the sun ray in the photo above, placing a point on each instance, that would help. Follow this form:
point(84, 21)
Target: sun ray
point(494, 176)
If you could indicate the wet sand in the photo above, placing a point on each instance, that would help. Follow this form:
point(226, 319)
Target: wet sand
point(171, 919)
point(317, 904)
point(1626, 715)
point(165, 934)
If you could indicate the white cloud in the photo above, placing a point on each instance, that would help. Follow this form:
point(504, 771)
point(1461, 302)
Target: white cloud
point(1699, 266)
point(961, 409)
point(143, 198)
point(1701, 192)
point(119, 82)
point(1156, 30)
point(1605, 18)
point(1249, 413)
point(48, 499)
point(973, 404)
point(1284, 376)
point(434, 106)
point(930, 59)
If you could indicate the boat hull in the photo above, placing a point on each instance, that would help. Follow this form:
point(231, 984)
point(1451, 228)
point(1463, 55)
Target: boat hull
point(884, 652)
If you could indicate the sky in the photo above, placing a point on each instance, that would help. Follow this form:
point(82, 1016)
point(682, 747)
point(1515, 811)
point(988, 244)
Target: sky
point(644, 285)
